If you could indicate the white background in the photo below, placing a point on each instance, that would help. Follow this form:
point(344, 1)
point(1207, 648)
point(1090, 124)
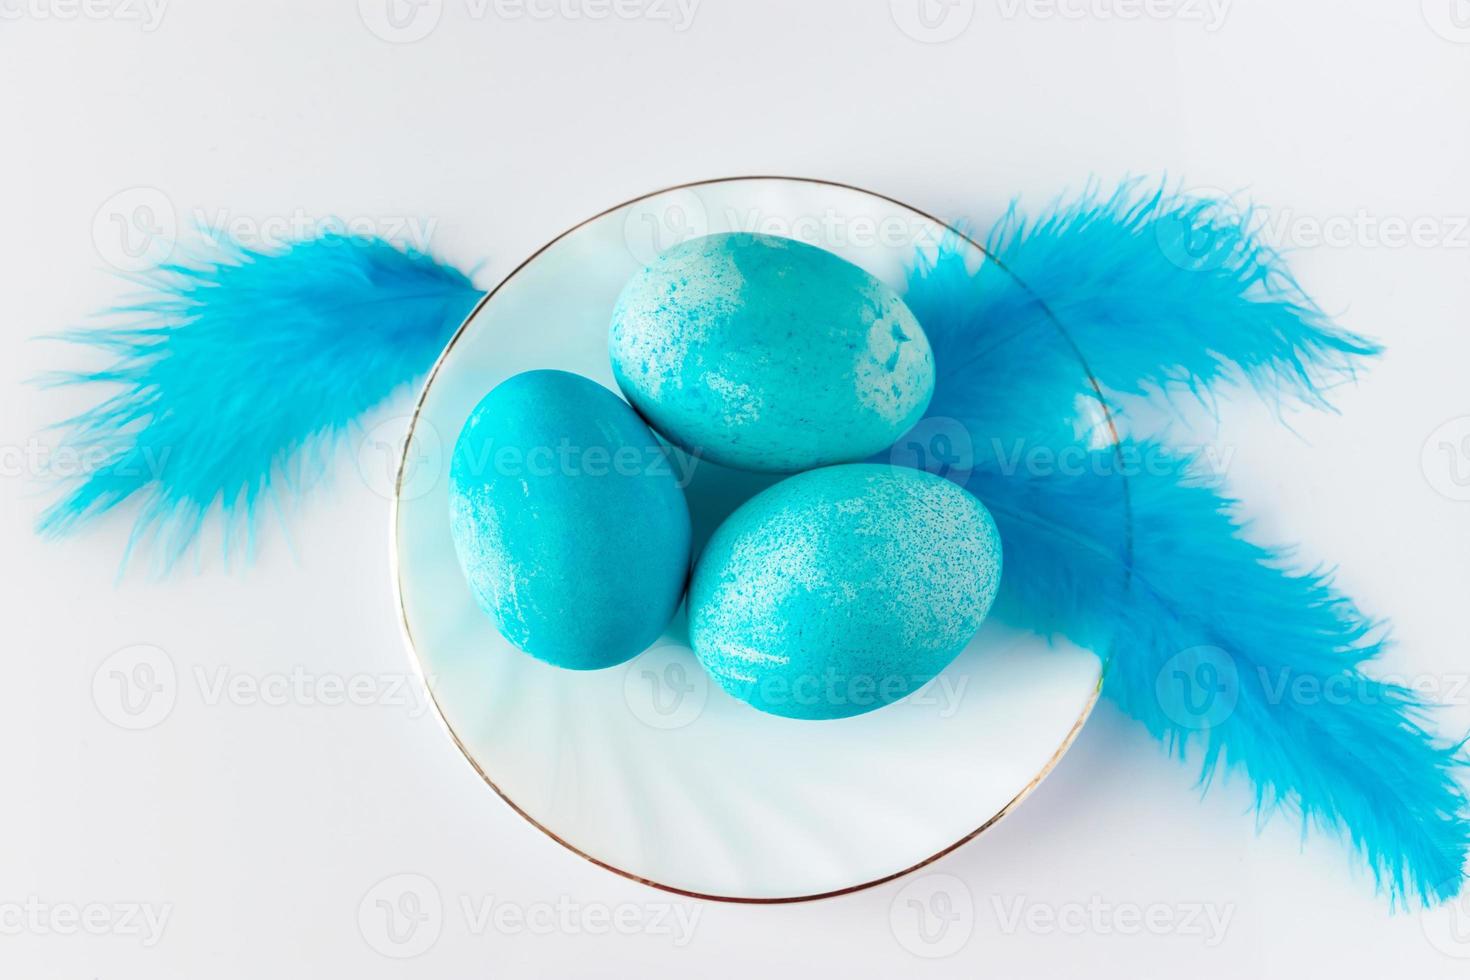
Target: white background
point(265, 831)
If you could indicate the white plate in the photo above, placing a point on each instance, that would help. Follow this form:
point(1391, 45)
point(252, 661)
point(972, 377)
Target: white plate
point(649, 769)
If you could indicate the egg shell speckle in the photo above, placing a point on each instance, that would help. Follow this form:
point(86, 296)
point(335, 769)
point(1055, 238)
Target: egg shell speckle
point(843, 589)
point(568, 521)
point(766, 353)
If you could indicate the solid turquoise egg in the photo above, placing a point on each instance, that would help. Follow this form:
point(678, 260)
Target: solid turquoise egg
point(843, 589)
point(765, 353)
point(568, 520)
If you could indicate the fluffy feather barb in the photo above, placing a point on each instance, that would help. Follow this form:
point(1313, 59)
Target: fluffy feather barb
point(1168, 290)
point(238, 369)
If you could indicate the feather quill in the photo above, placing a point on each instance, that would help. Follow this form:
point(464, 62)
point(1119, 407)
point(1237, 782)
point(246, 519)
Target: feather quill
point(237, 370)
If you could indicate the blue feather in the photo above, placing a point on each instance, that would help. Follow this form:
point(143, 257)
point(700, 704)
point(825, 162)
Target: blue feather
point(1158, 291)
point(1215, 644)
point(238, 369)
point(1124, 549)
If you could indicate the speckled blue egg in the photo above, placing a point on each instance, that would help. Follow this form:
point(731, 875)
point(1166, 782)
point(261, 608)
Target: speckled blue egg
point(843, 589)
point(568, 521)
point(765, 353)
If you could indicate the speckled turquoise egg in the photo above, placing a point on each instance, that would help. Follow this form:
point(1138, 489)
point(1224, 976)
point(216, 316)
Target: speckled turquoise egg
point(568, 520)
point(765, 353)
point(843, 589)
